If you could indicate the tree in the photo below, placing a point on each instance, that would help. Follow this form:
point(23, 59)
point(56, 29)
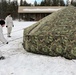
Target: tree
point(15, 9)
point(55, 2)
point(62, 3)
point(48, 2)
point(25, 3)
point(3, 9)
point(21, 2)
point(58, 3)
point(9, 2)
point(42, 3)
point(35, 3)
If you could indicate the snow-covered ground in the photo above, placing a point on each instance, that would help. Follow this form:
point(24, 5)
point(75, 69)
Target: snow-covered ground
point(20, 62)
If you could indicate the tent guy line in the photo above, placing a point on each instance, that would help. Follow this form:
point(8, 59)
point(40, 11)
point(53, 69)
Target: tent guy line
point(10, 41)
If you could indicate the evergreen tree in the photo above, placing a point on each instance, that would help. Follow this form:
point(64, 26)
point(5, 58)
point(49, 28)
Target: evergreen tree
point(62, 3)
point(45, 3)
point(9, 1)
point(25, 3)
point(55, 2)
point(42, 3)
point(21, 2)
point(48, 2)
point(3, 9)
point(15, 9)
point(35, 3)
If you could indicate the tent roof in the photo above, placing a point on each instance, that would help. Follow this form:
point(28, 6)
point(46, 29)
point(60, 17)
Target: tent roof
point(38, 9)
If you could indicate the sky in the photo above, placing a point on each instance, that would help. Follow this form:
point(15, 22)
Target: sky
point(32, 1)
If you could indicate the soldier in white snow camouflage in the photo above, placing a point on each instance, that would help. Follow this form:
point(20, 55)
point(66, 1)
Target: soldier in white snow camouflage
point(9, 24)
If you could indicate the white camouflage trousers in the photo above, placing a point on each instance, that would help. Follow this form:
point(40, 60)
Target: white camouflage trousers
point(9, 29)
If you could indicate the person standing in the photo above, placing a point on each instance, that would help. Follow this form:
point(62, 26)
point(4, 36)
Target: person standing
point(9, 24)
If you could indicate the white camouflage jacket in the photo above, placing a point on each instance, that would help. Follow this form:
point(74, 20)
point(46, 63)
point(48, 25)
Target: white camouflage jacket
point(2, 39)
point(9, 21)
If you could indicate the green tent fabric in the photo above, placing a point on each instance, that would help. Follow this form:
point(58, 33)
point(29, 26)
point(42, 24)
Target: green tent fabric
point(54, 35)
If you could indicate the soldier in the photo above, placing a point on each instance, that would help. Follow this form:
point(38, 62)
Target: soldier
point(9, 24)
point(69, 2)
point(2, 39)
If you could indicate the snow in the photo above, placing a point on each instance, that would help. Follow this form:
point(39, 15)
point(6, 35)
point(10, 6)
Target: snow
point(20, 62)
point(51, 9)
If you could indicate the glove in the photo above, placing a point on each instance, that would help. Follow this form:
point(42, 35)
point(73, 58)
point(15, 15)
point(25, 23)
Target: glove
point(6, 26)
point(2, 57)
point(6, 42)
point(13, 25)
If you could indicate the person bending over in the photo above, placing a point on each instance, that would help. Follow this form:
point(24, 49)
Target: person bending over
point(2, 38)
